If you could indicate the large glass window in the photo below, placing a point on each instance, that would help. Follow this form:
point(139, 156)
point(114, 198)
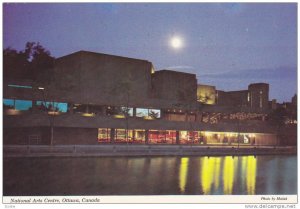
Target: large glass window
point(141, 112)
point(52, 106)
point(170, 137)
point(17, 104)
point(127, 111)
point(139, 136)
point(133, 136)
point(119, 112)
point(188, 137)
point(120, 136)
point(147, 113)
point(104, 135)
point(157, 137)
point(153, 136)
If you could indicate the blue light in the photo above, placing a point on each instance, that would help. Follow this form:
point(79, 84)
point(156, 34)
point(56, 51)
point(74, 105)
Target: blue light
point(19, 104)
point(19, 86)
point(62, 107)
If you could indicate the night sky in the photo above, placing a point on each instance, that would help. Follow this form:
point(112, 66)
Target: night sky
point(227, 45)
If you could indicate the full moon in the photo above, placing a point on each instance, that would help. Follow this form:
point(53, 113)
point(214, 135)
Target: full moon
point(176, 42)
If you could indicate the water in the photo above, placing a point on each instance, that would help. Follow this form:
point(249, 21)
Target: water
point(150, 175)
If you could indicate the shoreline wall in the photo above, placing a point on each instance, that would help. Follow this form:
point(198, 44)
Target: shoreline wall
point(142, 150)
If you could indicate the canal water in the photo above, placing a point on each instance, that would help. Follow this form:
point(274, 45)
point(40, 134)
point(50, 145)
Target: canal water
point(244, 175)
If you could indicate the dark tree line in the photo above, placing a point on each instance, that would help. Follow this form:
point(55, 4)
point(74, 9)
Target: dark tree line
point(33, 63)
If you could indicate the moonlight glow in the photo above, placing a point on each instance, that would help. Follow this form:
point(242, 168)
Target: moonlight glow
point(176, 42)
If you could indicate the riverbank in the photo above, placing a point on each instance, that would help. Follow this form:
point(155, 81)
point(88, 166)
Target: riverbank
point(142, 150)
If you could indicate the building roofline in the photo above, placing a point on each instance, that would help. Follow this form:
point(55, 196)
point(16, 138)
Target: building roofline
point(235, 91)
point(173, 71)
point(258, 84)
point(102, 54)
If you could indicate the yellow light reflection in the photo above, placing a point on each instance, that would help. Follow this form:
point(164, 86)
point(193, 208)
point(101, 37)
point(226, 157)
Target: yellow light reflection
point(12, 112)
point(217, 172)
point(119, 116)
point(53, 113)
point(88, 114)
point(251, 175)
point(184, 164)
point(209, 173)
point(228, 175)
point(244, 172)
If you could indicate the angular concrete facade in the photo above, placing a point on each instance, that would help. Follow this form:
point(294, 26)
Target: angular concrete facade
point(120, 97)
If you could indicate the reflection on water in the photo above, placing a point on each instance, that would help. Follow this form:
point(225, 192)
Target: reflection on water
point(210, 174)
point(151, 176)
point(184, 164)
point(210, 171)
point(251, 174)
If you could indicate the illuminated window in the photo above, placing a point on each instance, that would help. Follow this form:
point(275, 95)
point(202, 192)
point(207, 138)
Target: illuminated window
point(154, 113)
point(127, 111)
point(154, 136)
point(183, 137)
point(103, 135)
point(170, 137)
point(188, 137)
point(120, 135)
point(55, 106)
point(17, 104)
point(141, 112)
point(139, 136)
point(147, 113)
point(120, 112)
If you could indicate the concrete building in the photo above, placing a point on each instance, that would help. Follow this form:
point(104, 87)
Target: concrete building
point(255, 98)
point(96, 98)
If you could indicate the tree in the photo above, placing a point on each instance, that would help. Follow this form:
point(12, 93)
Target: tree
point(34, 63)
point(15, 64)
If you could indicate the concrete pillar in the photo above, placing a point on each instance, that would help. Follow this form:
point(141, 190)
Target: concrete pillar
point(177, 137)
point(112, 135)
point(186, 116)
point(103, 112)
point(71, 108)
point(134, 112)
point(133, 134)
point(34, 106)
point(146, 136)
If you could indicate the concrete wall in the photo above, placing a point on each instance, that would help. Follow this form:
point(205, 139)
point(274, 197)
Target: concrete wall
point(232, 98)
point(26, 136)
point(259, 96)
point(288, 135)
point(41, 136)
point(93, 78)
point(65, 136)
point(78, 121)
point(174, 86)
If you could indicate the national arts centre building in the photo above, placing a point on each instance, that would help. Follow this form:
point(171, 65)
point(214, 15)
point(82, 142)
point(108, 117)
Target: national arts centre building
point(94, 98)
